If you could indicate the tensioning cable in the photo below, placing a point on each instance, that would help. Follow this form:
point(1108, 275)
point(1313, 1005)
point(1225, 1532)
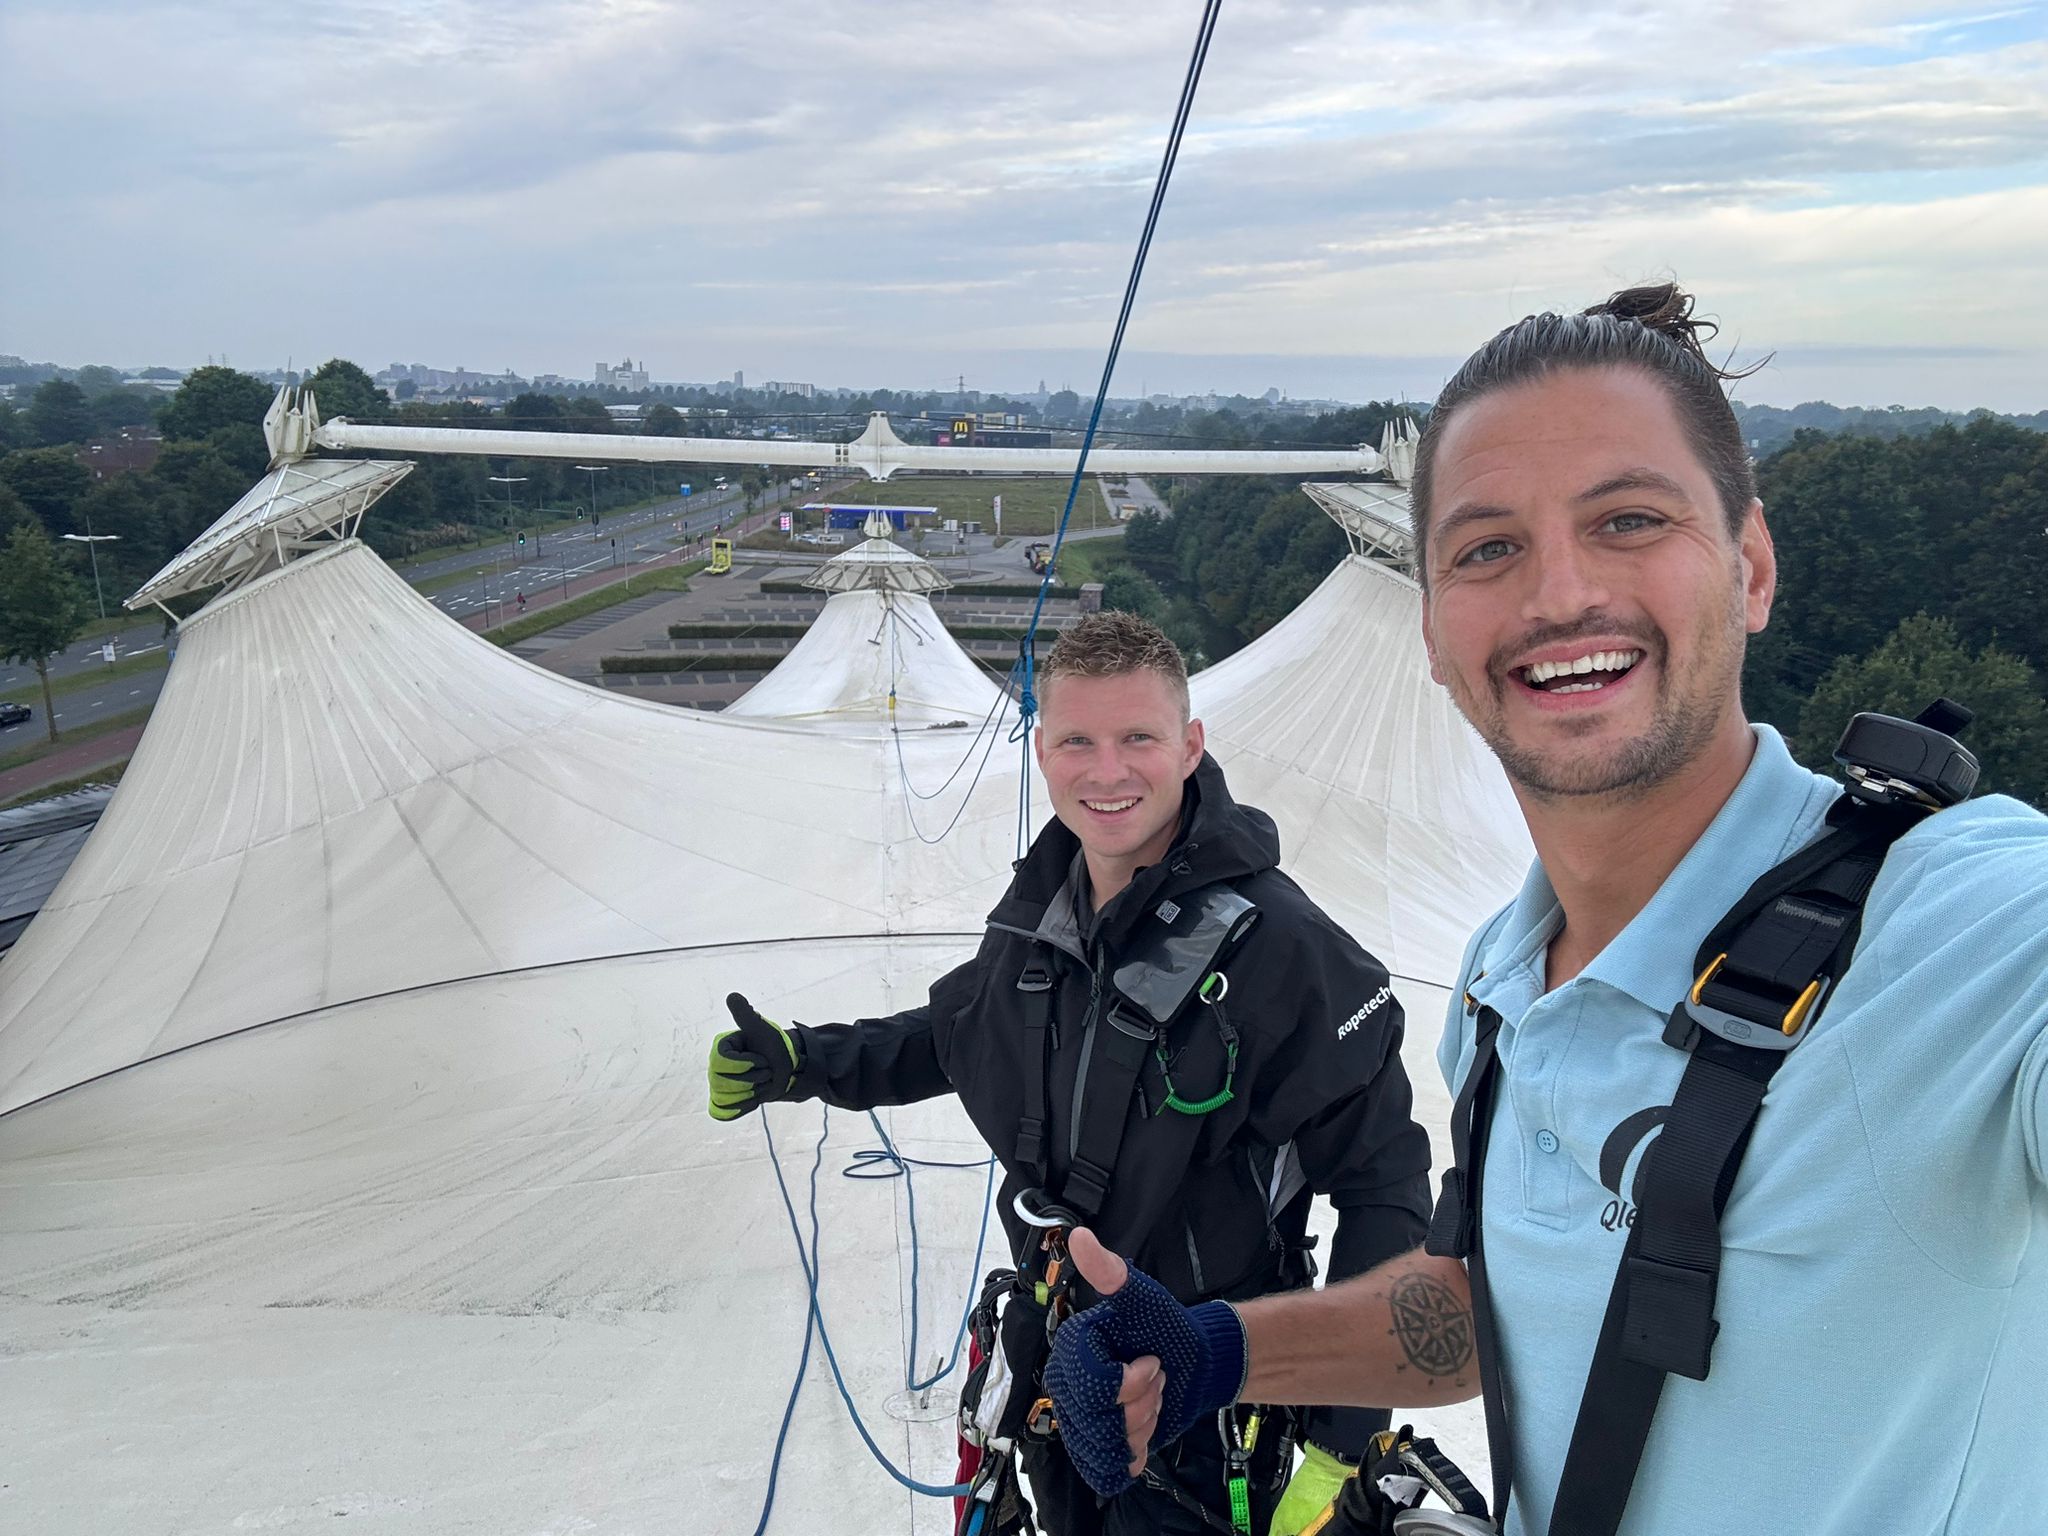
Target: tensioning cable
point(1027, 701)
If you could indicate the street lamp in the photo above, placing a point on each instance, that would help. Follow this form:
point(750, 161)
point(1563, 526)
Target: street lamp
point(594, 471)
point(92, 541)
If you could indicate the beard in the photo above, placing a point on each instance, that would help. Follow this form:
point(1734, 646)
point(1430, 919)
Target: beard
point(1687, 713)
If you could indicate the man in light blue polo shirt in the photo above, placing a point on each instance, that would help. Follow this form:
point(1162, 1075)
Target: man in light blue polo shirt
point(1593, 558)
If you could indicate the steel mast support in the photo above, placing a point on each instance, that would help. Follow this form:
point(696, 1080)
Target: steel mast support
point(294, 430)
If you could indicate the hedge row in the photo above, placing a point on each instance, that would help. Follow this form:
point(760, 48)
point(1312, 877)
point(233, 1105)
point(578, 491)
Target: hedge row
point(694, 661)
point(797, 631)
point(975, 589)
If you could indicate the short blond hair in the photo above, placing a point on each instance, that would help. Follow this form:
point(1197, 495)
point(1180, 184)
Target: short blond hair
point(1111, 644)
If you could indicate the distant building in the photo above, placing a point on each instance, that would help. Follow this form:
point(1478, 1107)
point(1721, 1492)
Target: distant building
point(625, 376)
point(784, 387)
point(739, 379)
point(133, 448)
point(453, 382)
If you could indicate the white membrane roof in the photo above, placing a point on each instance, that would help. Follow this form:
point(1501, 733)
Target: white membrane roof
point(271, 525)
point(879, 563)
point(353, 1155)
point(867, 649)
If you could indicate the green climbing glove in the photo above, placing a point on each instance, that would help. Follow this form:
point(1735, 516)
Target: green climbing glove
point(1317, 1481)
point(751, 1065)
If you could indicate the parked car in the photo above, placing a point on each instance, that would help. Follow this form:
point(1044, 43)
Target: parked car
point(15, 714)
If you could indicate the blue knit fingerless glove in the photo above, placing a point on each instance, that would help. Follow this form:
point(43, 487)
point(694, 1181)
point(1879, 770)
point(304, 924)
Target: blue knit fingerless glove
point(1202, 1351)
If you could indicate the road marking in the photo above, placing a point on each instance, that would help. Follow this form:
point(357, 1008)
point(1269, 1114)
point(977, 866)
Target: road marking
point(133, 691)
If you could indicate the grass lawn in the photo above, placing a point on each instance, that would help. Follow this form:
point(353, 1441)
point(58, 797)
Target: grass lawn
point(111, 774)
point(43, 746)
point(670, 578)
point(1031, 503)
point(106, 672)
point(1091, 559)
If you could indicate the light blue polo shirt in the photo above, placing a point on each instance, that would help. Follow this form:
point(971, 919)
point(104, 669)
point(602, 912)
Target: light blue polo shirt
point(1882, 1365)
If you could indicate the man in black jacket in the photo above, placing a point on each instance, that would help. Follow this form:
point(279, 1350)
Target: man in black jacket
point(1192, 1142)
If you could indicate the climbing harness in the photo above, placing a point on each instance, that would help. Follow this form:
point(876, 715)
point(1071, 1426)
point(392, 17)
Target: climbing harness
point(1763, 975)
point(1171, 958)
point(1173, 962)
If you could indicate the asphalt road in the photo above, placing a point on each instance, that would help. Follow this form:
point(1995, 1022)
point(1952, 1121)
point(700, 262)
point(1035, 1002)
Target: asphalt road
point(637, 535)
point(621, 539)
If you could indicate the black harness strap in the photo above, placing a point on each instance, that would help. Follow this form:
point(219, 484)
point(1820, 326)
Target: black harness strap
point(1122, 1043)
point(1763, 972)
point(1036, 986)
point(1454, 1233)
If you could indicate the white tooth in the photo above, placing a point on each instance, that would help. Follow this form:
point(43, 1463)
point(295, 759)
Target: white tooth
point(1583, 664)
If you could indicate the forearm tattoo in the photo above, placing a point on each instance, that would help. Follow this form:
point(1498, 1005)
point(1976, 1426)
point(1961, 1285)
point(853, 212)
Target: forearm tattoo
point(1433, 1326)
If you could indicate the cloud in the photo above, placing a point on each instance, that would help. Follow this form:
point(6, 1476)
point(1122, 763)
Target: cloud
point(536, 182)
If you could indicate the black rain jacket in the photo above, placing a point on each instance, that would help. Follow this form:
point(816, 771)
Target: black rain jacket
point(1208, 1204)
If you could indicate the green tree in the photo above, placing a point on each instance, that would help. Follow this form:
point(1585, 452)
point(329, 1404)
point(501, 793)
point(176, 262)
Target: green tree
point(343, 389)
point(1923, 660)
point(212, 398)
point(59, 413)
point(1130, 591)
point(664, 420)
point(50, 480)
point(96, 380)
point(41, 608)
point(584, 414)
point(147, 514)
point(119, 408)
point(532, 412)
point(13, 427)
point(14, 512)
point(207, 482)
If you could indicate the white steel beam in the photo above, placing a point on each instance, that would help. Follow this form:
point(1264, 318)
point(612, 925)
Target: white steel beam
point(878, 452)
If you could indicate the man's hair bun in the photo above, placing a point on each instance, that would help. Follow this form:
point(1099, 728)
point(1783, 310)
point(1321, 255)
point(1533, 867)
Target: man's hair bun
point(1667, 309)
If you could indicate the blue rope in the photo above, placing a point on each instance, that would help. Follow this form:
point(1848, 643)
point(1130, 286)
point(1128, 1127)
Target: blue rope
point(811, 1260)
point(1021, 676)
point(887, 1155)
point(803, 1363)
point(1027, 703)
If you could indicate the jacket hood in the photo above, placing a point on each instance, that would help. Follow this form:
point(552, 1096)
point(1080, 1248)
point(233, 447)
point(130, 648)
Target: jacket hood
point(1219, 840)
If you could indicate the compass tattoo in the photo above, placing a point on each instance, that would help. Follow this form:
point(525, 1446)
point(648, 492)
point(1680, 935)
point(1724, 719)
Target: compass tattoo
point(1434, 1327)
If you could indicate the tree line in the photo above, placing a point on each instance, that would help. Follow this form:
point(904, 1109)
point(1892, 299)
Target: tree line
point(1908, 566)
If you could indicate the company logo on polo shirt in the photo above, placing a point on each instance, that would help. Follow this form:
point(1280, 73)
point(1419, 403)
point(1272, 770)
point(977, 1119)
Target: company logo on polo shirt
point(1366, 1010)
point(1621, 1162)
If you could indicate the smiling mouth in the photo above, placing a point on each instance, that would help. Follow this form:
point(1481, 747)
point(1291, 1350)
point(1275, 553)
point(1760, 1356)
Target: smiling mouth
point(1109, 807)
point(1584, 674)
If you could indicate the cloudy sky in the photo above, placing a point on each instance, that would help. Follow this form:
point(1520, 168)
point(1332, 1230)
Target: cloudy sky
point(899, 194)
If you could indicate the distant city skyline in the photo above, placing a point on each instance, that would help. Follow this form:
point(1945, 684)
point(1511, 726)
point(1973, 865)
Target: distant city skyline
point(1795, 376)
point(847, 195)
